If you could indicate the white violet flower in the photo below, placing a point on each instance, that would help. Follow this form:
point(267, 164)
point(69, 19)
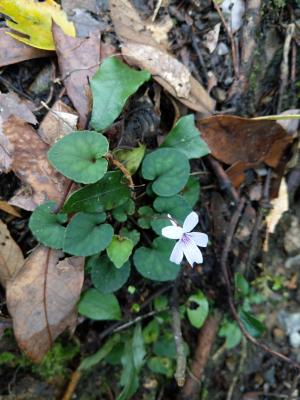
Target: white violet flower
point(188, 241)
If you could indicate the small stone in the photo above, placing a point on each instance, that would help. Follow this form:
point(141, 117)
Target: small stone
point(222, 49)
point(295, 340)
point(291, 239)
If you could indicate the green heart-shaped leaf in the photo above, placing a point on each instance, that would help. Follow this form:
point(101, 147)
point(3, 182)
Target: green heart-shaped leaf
point(168, 168)
point(47, 226)
point(86, 235)
point(176, 206)
point(153, 263)
point(146, 214)
point(121, 212)
point(186, 138)
point(191, 191)
point(111, 86)
point(197, 315)
point(131, 158)
point(105, 276)
point(119, 250)
point(133, 235)
point(110, 192)
point(99, 306)
point(79, 156)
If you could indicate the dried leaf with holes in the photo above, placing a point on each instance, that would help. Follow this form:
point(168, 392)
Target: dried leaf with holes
point(23, 152)
point(42, 299)
point(142, 50)
point(78, 60)
point(11, 256)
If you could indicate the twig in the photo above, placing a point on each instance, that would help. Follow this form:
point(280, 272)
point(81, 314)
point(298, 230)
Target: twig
point(158, 5)
point(139, 318)
point(232, 41)
point(239, 370)
point(232, 226)
point(205, 341)
point(56, 115)
point(284, 69)
point(9, 85)
point(276, 395)
point(249, 44)
point(264, 204)
point(224, 181)
point(122, 168)
point(294, 387)
point(76, 375)
point(115, 325)
point(177, 334)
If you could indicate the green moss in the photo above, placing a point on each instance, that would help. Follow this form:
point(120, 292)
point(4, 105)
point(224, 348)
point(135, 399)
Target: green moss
point(55, 361)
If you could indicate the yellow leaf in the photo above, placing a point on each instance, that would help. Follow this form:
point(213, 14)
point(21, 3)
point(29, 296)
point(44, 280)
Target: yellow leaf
point(32, 21)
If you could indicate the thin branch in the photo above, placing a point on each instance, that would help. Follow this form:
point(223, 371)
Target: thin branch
point(231, 39)
point(224, 181)
point(177, 334)
point(206, 338)
point(284, 69)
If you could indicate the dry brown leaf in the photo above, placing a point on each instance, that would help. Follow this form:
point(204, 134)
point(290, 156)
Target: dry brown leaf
point(22, 151)
point(280, 205)
point(142, 50)
point(160, 30)
point(42, 299)
point(11, 256)
point(58, 122)
point(78, 60)
point(244, 143)
point(11, 104)
point(12, 51)
point(212, 37)
point(4, 206)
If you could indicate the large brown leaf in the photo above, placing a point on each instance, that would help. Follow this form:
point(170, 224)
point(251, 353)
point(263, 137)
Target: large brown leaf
point(12, 51)
point(42, 299)
point(23, 152)
point(232, 139)
point(244, 143)
point(142, 49)
point(11, 256)
point(78, 60)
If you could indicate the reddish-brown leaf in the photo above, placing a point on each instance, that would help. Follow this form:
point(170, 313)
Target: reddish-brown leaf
point(42, 299)
point(11, 256)
point(12, 51)
point(78, 60)
point(22, 151)
point(232, 139)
